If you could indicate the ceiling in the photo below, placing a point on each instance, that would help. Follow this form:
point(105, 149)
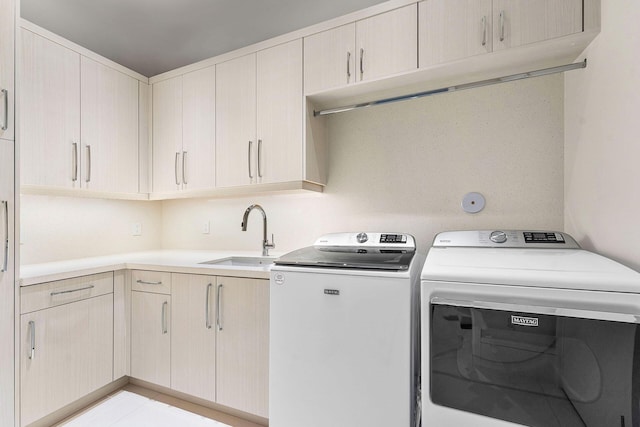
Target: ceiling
point(154, 36)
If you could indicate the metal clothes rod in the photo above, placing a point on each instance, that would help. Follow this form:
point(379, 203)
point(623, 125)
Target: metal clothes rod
point(489, 82)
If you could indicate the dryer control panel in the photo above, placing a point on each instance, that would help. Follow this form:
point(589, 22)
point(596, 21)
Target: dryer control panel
point(506, 239)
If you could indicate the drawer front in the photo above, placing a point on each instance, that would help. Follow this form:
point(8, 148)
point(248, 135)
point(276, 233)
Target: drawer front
point(51, 294)
point(157, 282)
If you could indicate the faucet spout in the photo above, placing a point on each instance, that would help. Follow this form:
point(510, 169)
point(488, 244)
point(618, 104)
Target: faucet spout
point(266, 245)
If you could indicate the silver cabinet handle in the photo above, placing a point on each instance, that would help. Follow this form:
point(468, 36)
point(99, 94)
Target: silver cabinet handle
point(88, 178)
point(249, 159)
point(361, 62)
point(176, 168)
point(32, 339)
point(74, 176)
point(184, 159)
point(5, 122)
point(218, 308)
point(143, 282)
point(207, 310)
point(71, 290)
point(165, 305)
point(348, 67)
point(502, 25)
point(484, 31)
point(5, 259)
point(259, 158)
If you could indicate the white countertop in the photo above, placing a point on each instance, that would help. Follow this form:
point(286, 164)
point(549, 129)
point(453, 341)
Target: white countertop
point(177, 261)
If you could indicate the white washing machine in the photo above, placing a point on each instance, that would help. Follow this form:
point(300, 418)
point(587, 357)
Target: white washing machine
point(526, 328)
point(343, 332)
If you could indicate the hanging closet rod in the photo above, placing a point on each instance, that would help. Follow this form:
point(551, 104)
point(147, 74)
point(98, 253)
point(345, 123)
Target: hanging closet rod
point(505, 79)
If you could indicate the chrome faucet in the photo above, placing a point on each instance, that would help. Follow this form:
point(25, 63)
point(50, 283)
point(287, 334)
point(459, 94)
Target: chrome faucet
point(266, 245)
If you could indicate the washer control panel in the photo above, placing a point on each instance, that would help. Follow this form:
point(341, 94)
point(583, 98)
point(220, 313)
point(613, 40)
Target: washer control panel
point(367, 240)
point(505, 239)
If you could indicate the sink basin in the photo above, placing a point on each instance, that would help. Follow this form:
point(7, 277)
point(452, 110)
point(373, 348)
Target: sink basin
point(241, 261)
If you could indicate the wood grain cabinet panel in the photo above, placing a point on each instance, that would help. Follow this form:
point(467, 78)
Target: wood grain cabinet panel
point(167, 135)
point(7, 66)
point(193, 337)
point(151, 337)
point(330, 59)
point(50, 119)
point(242, 352)
point(109, 134)
point(66, 352)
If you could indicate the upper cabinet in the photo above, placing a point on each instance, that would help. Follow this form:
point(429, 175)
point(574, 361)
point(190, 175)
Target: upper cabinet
point(7, 91)
point(79, 121)
point(50, 113)
point(456, 29)
point(259, 117)
point(184, 132)
point(109, 131)
point(368, 49)
point(520, 22)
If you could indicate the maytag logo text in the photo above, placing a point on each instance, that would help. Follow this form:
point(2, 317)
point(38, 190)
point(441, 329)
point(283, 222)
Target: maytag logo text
point(524, 321)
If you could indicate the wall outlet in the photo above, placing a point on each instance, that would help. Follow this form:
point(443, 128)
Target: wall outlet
point(206, 228)
point(136, 229)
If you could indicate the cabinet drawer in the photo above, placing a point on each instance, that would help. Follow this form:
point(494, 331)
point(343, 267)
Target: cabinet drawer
point(151, 281)
point(51, 294)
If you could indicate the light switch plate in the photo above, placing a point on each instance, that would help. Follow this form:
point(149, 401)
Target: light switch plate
point(136, 229)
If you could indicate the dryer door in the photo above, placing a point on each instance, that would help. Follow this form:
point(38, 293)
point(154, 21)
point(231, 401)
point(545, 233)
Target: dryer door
point(535, 366)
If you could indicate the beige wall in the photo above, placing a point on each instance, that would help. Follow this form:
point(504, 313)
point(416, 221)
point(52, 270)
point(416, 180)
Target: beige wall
point(56, 228)
point(602, 139)
point(406, 167)
point(402, 167)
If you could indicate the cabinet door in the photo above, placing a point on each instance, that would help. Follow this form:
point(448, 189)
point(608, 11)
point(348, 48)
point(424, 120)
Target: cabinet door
point(329, 59)
point(167, 135)
point(71, 356)
point(242, 360)
point(50, 119)
point(109, 131)
point(519, 22)
point(387, 44)
point(7, 284)
point(236, 145)
point(280, 114)
point(193, 335)
point(150, 337)
point(199, 129)
point(7, 44)
point(453, 29)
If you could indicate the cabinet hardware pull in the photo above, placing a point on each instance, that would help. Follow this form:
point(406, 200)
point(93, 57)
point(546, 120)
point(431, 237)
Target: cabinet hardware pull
point(88, 178)
point(361, 62)
point(207, 310)
point(259, 158)
point(249, 159)
point(32, 339)
point(184, 159)
point(348, 67)
point(5, 123)
point(218, 311)
point(484, 31)
point(502, 25)
point(164, 317)
point(5, 260)
point(71, 290)
point(74, 177)
point(176, 168)
point(143, 282)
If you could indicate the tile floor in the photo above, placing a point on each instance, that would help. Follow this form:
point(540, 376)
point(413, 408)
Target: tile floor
point(134, 406)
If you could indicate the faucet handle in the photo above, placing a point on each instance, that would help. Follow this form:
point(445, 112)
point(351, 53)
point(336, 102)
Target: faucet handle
point(272, 244)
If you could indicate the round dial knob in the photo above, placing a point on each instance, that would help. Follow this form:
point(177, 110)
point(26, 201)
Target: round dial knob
point(498, 237)
point(362, 237)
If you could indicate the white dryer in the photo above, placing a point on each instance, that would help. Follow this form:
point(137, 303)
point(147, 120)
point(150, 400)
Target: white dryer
point(526, 328)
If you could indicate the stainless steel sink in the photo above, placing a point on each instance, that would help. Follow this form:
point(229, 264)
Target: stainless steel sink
point(241, 261)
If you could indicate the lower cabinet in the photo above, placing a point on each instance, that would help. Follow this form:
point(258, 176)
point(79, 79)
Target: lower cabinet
point(220, 340)
point(151, 337)
point(66, 336)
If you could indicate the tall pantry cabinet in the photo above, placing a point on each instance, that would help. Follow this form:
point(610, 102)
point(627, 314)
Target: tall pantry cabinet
point(7, 212)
